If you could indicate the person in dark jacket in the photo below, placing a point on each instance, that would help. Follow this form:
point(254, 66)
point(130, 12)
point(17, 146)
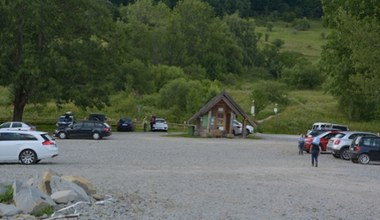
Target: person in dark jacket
point(315, 151)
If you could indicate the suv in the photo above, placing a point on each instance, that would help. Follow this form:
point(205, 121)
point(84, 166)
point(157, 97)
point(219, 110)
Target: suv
point(29, 147)
point(365, 149)
point(339, 145)
point(85, 129)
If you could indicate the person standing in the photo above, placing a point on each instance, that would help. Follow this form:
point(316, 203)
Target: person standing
point(301, 143)
point(315, 151)
point(145, 123)
point(152, 122)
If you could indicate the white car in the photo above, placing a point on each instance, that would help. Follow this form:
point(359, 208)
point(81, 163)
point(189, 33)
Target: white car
point(28, 147)
point(160, 125)
point(237, 128)
point(17, 126)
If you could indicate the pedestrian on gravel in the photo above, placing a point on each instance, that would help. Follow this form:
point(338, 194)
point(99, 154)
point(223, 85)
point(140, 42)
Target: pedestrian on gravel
point(301, 143)
point(145, 123)
point(315, 151)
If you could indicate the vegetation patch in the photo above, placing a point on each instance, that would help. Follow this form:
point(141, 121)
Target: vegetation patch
point(7, 197)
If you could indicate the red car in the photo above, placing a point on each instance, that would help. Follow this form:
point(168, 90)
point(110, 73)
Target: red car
point(324, 138)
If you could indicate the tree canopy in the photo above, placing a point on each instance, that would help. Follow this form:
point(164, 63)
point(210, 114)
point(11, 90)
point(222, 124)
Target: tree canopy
point(351, 58)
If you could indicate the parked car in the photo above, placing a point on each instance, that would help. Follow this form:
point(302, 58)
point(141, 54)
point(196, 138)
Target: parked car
point(85, 129)
point(65, 120)
point(237, 128)
point(365, 149)
point(339, 145)
point(17, 126)
point(324, 138)
point(125, 124)
point(97, 117)
point(160, 125)
point(28, 147)
point(329, 126)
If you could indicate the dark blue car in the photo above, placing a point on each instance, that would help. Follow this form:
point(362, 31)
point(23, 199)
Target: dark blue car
point(125, 124)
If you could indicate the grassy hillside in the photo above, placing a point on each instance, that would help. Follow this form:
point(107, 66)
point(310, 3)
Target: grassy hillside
point(305, 108)
point(308, 42)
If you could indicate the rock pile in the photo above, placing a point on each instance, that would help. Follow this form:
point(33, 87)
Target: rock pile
point(50, 190)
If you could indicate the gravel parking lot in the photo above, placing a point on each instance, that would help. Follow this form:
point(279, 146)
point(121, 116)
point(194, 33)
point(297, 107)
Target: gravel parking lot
point(162, 177)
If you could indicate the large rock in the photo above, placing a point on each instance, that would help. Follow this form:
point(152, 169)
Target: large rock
point(29, 199)
point(82, 182)
point(64, 197)
point(59, 184)
point(9, 210)
point(43, 182)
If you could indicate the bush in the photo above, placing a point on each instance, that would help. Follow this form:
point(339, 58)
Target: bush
point(302, 76)
point(301, 24)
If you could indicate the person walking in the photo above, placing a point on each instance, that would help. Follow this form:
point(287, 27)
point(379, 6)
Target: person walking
point(315, 151)
point(301, 143)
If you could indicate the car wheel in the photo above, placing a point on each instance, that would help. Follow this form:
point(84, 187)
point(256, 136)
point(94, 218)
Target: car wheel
point(364, 159)
point(345, 154)
point(336, 156)
point(96, 135)
point(62, 135)
point(28, 157)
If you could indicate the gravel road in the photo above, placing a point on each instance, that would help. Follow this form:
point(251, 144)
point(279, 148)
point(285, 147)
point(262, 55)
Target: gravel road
point(154, 176)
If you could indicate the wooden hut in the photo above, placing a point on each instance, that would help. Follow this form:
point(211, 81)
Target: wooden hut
point(216, 117)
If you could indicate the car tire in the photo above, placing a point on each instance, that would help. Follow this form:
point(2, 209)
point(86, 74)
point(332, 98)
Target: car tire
point(62, 135)
point(28, 157)
point(345, 154)
point(96, 136)
point(336, 156)
point(363, 159)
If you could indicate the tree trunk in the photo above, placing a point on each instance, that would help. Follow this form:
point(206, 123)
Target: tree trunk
point(20, 100)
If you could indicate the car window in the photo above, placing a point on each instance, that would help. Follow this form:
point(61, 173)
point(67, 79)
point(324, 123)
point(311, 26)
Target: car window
point(78, 125)
point(99, 125)
point(16, 125)
point(88, 125)
point(9, 137)
point(47, 137)
point(27, 137)
point(5, 125)
point(339, 135)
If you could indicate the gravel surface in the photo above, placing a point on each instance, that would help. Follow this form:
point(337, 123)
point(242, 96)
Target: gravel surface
point(153, 176)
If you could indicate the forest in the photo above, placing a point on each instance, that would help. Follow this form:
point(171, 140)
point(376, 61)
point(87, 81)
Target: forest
point(172, 56)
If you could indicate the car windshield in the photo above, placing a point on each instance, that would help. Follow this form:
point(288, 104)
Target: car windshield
point(160, 120)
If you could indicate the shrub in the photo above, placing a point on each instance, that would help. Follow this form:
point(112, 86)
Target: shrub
point(301, 24)
point(7, 197)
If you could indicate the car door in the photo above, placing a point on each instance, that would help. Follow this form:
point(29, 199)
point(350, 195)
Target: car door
point(376, 149)
point(87, 129)
point(10, 145)
point(76, 130)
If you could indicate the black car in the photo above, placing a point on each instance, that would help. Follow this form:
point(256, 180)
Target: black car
point(85, 129)
point(365, 149)
point(125, 124)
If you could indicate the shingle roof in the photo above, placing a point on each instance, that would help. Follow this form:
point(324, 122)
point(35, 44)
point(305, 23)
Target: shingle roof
point(229, 101)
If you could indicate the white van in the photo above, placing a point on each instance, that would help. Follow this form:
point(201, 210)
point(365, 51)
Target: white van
point(328, 126)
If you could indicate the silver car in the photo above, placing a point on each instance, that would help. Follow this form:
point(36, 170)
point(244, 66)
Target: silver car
point(160, 125)
point(237, 128)
point(340, 143)
point(28, 147)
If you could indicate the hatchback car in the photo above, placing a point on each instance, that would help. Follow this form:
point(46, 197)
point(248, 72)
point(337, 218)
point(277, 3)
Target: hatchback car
point(85, 129)
point(17, 126)
point(125, 124)
point(28, 147)
point(365, 149)
point(339, 145)
point(324, 138)
point(237, 128)
point(160, 125)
